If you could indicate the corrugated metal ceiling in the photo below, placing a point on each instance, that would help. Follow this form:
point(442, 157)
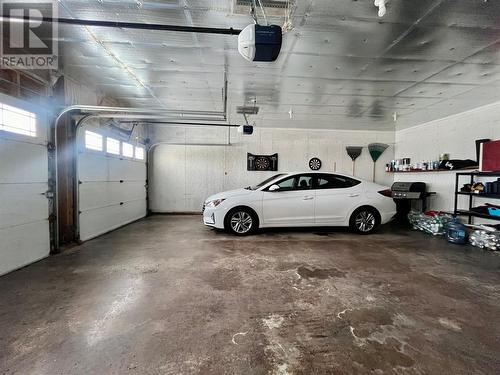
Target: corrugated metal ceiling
point(341, 66)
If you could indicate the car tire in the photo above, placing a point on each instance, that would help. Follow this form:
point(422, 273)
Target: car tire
point(241, 221)
point(364, 220)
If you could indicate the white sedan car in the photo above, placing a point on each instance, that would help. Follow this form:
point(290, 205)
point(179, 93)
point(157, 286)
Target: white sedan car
point(301, 200)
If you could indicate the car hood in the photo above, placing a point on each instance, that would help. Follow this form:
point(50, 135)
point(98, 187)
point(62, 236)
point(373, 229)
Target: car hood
point(229, 194)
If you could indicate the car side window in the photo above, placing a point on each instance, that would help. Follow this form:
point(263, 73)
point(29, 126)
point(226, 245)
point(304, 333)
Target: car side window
point(287, 184)
point(303, 182)
point(335, 182)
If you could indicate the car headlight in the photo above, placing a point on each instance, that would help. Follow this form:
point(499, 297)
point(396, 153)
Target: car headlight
point(214, 203)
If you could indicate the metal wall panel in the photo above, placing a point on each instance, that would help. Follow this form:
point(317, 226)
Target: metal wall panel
point(169, 178)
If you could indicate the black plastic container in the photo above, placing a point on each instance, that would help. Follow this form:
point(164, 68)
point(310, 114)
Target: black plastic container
point(495, 187)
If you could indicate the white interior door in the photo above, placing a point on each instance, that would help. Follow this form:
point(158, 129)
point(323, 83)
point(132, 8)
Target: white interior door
point(24, 208)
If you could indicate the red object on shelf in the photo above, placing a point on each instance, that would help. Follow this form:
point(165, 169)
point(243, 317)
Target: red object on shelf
point(490, 157)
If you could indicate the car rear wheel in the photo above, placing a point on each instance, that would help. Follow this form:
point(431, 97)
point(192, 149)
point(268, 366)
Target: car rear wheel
point(241, 221)
point(364, 220)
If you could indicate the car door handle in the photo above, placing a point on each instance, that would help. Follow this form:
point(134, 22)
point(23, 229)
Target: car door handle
point(308, 198)
point(354, 195)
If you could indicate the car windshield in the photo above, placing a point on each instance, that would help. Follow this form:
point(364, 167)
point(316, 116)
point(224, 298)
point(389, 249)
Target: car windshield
point(265, 182)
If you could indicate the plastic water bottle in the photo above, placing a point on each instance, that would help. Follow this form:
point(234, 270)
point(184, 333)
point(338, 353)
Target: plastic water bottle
point(455, 232)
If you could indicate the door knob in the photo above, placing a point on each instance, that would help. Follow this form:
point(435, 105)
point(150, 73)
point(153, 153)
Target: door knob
point(307, 198)
point(354, 195)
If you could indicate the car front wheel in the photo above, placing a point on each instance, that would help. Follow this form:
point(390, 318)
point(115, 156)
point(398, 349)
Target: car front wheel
point(241, 222)
point(364, 220)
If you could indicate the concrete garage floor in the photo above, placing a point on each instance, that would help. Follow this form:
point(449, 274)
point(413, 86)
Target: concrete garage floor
point(168, 296)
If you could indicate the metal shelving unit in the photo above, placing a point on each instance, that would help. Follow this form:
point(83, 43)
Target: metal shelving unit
point(470, 212)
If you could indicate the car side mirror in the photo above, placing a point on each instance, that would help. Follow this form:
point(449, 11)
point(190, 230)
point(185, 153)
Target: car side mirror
point(274, 187)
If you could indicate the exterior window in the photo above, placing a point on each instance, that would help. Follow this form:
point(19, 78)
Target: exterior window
point(93, 141)
point(139, 153)
point(17, 121)
point(127, 150)
point(112, 146)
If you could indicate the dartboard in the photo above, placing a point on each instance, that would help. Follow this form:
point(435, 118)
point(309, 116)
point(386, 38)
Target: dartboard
point(262, 163)
point(315, 164)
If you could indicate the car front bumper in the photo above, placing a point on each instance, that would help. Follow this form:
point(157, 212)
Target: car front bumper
point(213, 217)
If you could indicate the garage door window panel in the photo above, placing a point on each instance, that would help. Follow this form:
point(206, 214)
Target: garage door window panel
point(139, 153)
point(112, 146)
point(93, 141)
point(127, 150)
point(18, 121)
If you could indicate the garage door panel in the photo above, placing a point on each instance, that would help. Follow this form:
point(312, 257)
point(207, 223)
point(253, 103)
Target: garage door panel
point(23, 244)
point(96, 222)
point(92, 167)
point(24, 211)
point(22, 203)
point(22, 162)
point(99, 194)
point(123, 169)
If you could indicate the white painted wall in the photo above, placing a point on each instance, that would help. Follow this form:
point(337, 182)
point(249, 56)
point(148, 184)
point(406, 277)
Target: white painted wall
point(455, 135)
point(183, 176)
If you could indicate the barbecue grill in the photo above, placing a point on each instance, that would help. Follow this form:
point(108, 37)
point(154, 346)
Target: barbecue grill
point(408, 190)
point(404, 193)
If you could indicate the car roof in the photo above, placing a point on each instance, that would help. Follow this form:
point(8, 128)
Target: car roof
point(319, 172)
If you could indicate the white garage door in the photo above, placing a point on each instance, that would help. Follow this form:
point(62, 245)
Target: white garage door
point(24, 209)
point(112, 188)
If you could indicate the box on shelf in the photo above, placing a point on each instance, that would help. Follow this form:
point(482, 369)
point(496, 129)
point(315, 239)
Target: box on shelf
point(490, 156)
